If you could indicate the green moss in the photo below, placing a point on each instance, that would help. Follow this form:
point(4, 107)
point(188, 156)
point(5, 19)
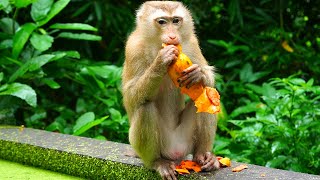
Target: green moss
point(85, 167)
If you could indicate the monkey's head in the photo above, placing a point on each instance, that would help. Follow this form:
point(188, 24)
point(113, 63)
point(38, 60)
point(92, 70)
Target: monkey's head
point(165, 22)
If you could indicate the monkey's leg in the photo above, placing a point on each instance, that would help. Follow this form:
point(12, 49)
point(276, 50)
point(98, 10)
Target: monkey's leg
point(205, 126)
point(144, 136)
point(205, 134)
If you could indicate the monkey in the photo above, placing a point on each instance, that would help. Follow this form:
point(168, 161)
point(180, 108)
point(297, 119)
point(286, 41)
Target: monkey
point(164, 127)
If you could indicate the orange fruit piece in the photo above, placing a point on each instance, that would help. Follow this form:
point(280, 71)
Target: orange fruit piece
point(225, 162)
point(182, 171)
point(206, 99)
point(187, 165)
point(240, 168)
point(191, 165)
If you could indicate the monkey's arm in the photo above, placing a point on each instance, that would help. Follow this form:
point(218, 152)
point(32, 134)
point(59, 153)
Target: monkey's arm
point(141, 81)
point(207, 70)
point(143, 86)
point(199, 70)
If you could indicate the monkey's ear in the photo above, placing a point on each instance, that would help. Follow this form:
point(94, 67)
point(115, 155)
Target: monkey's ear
point(141, 11)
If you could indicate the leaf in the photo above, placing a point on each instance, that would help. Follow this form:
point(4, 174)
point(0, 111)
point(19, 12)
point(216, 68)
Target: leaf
point(31, 65)
point(80, 36)
point(8, 25)
point(73, 26)
point(115, 114)
point(246, 73)
point(310, 82)
point(82, 9)
point(278, 146)
point(5, 6)
point(40, 9)
point(258, 75)
point(85, 122)
point(100, 137)
point(6, 44)
point(220, 43)
point(235, 12)
point(251, 107)
point(41, 42)
point(55, 126)
point(221, 143)
point(1, 76)
point(71, 54)
point(37, 62)
point(276, 161)
point(21, 37)
point(106, 72)
point(22, 3)
point(257, 89)
point(233, 63)
point(21, 91)
point(297, 81)
point(55, 9)
point(51, 83)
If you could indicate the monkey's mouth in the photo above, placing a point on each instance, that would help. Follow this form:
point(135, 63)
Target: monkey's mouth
point(171, 42)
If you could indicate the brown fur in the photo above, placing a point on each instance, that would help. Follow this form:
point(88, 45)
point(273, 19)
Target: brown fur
point(163, 128)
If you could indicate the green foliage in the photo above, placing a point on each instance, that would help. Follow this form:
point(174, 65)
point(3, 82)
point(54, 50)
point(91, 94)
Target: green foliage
point(21, 91)
point(281, 126)
point(57, 84)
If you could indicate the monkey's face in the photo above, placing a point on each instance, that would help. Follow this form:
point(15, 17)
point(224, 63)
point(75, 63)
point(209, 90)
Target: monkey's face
point(166, 22)
point(168, 28)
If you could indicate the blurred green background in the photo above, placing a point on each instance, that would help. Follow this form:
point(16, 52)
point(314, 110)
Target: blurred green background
point(61, 63)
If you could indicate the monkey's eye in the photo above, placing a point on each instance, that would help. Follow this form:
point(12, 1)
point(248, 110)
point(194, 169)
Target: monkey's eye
point(162, 21)
point(176, 20)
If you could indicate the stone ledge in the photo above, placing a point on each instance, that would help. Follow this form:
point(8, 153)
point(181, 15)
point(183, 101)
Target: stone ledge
point(96, 159)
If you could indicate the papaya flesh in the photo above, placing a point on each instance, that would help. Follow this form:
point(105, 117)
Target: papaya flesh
point(207, 99)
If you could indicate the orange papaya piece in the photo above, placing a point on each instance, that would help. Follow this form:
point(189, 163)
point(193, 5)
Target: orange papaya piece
point(206, 99)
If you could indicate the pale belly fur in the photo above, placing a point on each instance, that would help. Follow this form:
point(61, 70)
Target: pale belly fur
point(176, 142)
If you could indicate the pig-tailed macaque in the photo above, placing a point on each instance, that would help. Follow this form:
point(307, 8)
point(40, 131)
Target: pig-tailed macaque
point(163, 128)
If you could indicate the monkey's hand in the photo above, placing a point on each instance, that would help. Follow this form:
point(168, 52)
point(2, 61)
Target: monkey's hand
point(168, 54)
point(191, 76)
point(207, 160)
point(166, 169)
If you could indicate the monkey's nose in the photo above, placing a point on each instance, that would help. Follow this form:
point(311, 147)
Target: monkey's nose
point(173, 37)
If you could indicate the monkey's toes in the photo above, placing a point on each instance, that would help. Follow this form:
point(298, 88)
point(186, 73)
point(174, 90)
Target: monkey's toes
point(208, 161)
point(166, 170)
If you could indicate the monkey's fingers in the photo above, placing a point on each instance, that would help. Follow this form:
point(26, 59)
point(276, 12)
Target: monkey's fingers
point(191, 68)
point(191, 78)
point(169, 54)
point(172, 48)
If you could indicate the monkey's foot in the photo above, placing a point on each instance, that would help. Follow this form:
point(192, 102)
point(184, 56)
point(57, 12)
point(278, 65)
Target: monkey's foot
point(207, 160)
point(166, 169)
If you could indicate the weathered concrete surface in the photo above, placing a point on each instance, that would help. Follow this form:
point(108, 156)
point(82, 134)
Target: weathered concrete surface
point(94, 157)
